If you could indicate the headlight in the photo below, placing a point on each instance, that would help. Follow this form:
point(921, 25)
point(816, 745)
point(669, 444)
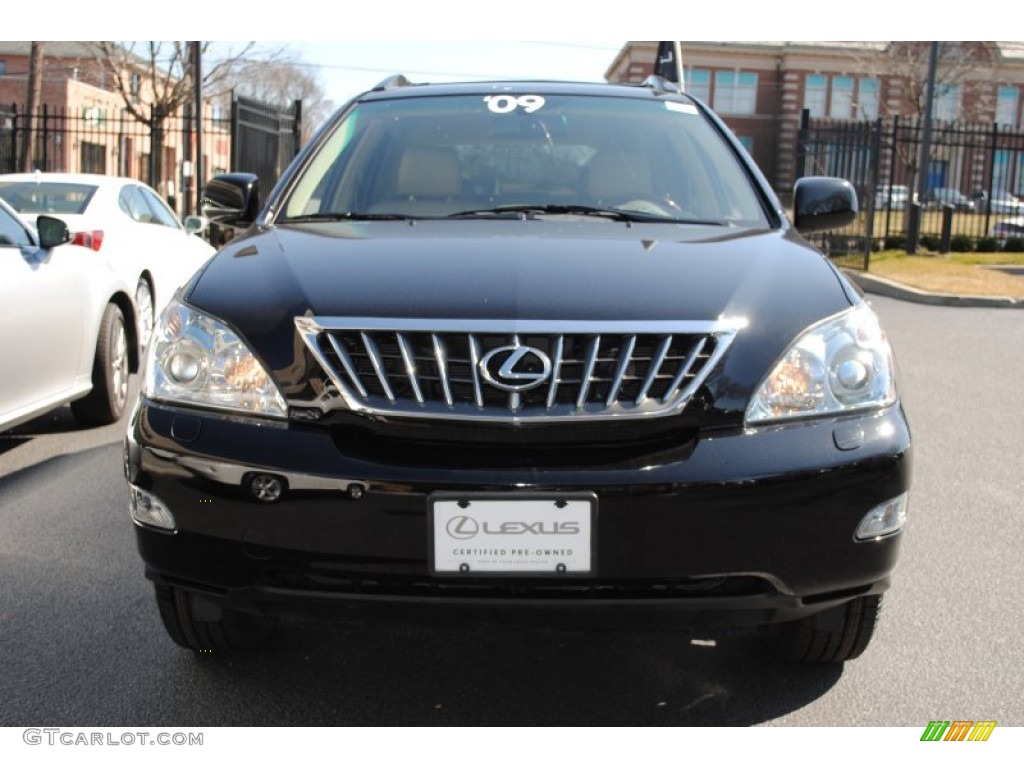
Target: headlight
point(196, 359)
point(842, 364)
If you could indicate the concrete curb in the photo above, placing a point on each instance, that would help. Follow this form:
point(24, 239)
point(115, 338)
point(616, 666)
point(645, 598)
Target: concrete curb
point(882, 287)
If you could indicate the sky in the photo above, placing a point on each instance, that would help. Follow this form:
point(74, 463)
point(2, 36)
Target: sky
point(347, 68)
point(354, 44)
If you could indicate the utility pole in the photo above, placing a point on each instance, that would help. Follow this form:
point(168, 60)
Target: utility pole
point(923, 164)
point(35, 88)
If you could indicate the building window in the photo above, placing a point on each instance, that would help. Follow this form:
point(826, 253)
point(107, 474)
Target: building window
point(1006, 106)
point(815, 94)
point(3, 67)
point(698, 84)
point(947, 102)
point(736, 93)
point(93, 158)
point(868, 89)
point(135, 86)
point(747, 142)
point(842, 98)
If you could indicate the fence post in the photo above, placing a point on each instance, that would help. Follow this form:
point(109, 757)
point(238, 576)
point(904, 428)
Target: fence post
point(46, 138)
point(15, 147)
point(801, 143)
point(235, 143)
point(947, 228)
point(875, 133)
point(991, 176)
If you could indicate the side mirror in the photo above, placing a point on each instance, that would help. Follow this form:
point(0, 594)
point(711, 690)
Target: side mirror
point(232, 198)
point(196, 225)
point(52, 232)
point(821, 203)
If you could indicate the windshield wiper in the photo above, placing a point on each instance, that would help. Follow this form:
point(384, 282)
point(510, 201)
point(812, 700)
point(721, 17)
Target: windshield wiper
point(348, 216)
point(616, 214)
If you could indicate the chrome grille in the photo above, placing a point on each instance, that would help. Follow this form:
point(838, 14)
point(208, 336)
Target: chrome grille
point(431, 368)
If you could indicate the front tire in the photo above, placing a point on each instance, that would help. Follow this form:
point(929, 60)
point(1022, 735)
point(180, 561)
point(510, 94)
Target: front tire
point(106, 402)
point(838, 634)
point(232, 631)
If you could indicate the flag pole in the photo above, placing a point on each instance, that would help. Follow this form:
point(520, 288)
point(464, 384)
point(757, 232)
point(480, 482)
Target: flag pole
point(680, 78)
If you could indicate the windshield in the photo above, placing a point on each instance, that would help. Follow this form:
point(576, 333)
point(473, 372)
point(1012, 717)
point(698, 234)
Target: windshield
point(526, 154)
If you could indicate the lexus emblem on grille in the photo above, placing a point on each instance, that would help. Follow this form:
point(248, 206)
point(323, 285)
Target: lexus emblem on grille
point(515, 368)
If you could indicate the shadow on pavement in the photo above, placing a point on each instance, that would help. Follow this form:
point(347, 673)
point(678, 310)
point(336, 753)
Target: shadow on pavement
point(327, 673)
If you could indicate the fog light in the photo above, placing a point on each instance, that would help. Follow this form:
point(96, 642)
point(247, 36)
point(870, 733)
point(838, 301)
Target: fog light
point(884, 520)
point(147, 509)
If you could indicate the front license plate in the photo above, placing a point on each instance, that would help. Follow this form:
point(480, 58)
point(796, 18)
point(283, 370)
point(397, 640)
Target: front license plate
point(521, 535)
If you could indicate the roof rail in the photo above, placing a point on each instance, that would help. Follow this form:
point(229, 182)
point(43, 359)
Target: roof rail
point(394, 81)
point(659, 83)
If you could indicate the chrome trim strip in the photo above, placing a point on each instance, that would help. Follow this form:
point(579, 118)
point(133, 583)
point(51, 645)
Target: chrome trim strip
point(683, 370)
point(588, 371)
point(474, 361)
point(378, 365)
point(348, 365)
point(556, 371)
point(652, 372)
point(442, 368)
point(410, 366)
point(553, 327)
point(625, 356)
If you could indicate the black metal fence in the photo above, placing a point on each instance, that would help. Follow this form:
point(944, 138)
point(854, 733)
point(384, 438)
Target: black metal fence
point(974, 173)
point(265, 139)
point(251, 137)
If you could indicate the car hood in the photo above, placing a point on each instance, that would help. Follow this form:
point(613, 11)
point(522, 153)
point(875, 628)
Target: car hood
point(768, 281)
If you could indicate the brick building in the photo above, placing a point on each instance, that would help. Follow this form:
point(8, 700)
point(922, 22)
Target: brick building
point(761, 88)
point(87, 127)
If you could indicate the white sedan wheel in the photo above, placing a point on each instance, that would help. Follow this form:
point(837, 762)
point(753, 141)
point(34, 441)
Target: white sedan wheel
point(144, 312)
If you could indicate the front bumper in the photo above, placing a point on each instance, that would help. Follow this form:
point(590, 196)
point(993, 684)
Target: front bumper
point(739, 528)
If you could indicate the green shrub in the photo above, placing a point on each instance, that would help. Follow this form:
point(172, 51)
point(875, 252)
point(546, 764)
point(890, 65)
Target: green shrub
point(1014, 245)
point(987, 244)
point(931, 242)
point(896, 242)
point(961, 243)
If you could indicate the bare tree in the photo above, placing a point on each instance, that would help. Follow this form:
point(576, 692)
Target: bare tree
point(35, 87)
point(904, 65)
point(155, 79)
point(282, 82)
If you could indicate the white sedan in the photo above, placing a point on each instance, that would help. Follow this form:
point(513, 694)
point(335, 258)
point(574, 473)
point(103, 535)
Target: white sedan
point(66, 325)
point(126, 222)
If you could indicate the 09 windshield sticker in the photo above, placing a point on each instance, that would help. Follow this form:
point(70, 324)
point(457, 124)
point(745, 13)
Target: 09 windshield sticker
point(675, 106)
point(503, 103)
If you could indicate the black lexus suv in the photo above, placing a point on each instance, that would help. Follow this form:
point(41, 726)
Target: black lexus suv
point(544, 350)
